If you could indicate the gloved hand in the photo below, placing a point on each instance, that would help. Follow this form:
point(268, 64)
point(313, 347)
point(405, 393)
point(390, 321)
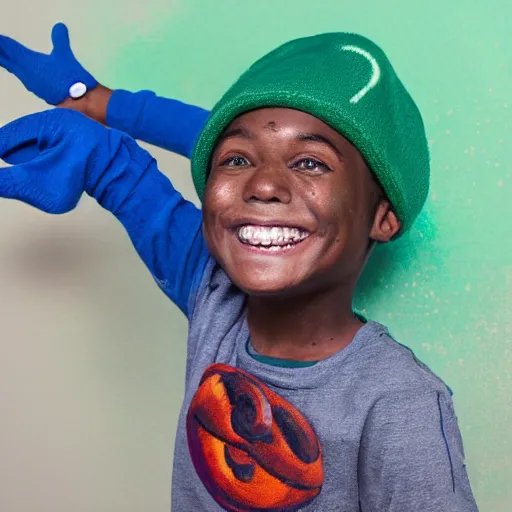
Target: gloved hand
point(52, 77)
point(58, 154)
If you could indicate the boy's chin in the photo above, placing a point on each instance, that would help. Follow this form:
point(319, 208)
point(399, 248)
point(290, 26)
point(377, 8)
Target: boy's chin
point(270, 287)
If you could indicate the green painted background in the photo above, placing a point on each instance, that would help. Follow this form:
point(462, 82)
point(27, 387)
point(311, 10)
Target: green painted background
point(444, 289)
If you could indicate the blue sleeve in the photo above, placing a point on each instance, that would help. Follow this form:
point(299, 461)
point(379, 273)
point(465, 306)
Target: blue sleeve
point(59, 154)
point(411, 456)
point(166, 229)
point(166, 123)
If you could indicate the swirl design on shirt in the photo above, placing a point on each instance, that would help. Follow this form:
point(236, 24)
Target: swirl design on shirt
point(251, 448)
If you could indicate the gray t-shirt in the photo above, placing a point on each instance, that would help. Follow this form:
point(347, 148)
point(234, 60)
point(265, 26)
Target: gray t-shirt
point(368, 429)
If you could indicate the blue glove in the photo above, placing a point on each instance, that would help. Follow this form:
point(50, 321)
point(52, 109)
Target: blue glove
point(52, 77)
point(59, 154)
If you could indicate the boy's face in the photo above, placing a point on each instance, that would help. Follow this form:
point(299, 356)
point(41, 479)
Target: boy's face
point(285, 169)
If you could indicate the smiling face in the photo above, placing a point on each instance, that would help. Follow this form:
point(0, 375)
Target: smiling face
point(290, 206)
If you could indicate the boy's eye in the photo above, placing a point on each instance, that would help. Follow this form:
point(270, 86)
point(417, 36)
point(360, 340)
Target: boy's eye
point(235, 161)
point(310, 164)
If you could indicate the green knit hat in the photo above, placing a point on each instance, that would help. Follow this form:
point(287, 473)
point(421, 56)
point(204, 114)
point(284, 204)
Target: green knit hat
point(346, 81)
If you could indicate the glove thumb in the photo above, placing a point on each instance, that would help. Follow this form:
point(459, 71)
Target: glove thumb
point(60, 39)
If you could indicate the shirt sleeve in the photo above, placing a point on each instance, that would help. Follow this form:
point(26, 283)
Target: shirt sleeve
point(412, 458)
point(165, 228)
point(166, 123)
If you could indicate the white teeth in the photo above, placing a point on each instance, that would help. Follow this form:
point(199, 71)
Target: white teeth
point(270, 236)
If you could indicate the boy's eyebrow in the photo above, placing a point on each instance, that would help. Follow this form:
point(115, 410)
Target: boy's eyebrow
point(316, 137)
point(311, 137)
point(236, 132)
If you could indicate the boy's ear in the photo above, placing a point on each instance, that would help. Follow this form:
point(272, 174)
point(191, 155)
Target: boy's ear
point(385, 223)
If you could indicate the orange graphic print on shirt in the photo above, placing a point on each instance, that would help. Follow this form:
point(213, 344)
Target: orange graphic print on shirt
point(251, 448)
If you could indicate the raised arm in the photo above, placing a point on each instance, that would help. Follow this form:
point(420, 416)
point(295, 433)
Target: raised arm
point(58, 155)
point(163, 122)
point(60, 80)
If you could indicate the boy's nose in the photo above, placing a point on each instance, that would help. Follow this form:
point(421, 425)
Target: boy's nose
point(268, 184)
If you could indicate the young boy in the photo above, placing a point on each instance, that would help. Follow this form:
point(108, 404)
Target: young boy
point(292, 401)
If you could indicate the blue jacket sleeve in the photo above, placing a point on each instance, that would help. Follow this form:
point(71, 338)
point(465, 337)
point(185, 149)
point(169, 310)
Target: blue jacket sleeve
point(166, 123)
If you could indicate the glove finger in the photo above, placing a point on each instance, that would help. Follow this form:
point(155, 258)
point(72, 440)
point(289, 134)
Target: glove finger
point(18, 183)
point(6, 63)
point(12, 52)
point(9, 182)
point(14, 183)
point(23, 138)
point(42, 130)
point(60, 39)
point(37, 182)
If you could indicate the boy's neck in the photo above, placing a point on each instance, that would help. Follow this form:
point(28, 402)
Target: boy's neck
point(306, 328)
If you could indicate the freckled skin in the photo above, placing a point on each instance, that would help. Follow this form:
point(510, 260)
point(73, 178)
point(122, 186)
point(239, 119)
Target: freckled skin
point(286, 166)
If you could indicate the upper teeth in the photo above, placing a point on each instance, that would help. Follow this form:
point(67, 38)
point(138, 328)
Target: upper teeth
point(270, 235)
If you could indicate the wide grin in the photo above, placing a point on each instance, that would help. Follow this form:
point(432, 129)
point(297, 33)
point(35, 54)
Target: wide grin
point(271, 238)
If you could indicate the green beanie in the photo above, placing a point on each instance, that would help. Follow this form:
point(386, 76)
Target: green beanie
point(346, 81)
